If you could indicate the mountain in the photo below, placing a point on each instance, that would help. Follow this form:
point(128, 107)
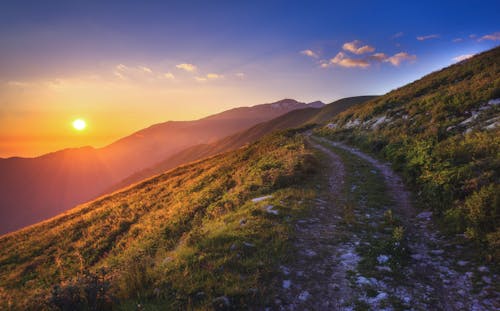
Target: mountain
point(295, 118)
point(442, 133)
point(33, 189)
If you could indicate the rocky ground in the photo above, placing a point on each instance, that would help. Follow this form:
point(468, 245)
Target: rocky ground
point(364, 247)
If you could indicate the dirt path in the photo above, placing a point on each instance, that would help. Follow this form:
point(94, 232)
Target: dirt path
point(365, 248)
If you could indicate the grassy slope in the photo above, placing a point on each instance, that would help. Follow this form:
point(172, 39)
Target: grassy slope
point(182, 238)
point(455, 167)
point(291, 119)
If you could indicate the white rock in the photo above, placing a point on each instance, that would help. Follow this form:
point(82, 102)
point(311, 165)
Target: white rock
point(310, 253)
point(424, 215)
point(483, 269)
point(361, 280)
point(304, 295)
point(437, 252)
point(270, 209)
point(255, 200)
point(287, 284)
point(381, 259)
point(462, 263)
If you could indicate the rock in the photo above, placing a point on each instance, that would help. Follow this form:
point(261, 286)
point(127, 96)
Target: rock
point(243, 222)
point(310, 253)
point(233, 247)
point(255, 200)
point(424, 215)
point(304, 295)
point(486, 279)
point(381, 259)
point(361, 280)
point(221, 302)
point(384, 268)
point(417, 256)
point(248, 244)
point(285, 270)
point(437, 252)
point(270, 209)
point(462, 263)
point(483, 269)
point(287, 284)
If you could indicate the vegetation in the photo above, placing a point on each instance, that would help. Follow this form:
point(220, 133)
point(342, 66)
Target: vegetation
point(441, 132)
point(188, 238)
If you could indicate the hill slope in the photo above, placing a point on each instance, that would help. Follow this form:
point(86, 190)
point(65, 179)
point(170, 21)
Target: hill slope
point(292, 119)
point(442, 132)
point(37, 188)
point(192, 230)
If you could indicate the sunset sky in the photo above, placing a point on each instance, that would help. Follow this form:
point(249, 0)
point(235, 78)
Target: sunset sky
point(124, 65)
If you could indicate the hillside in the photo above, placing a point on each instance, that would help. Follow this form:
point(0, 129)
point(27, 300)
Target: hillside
point(442, 133)
point(33, 189)
point(292, 119)
point(184, 237)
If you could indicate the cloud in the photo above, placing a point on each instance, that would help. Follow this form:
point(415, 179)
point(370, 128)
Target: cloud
point(423, 38)
point(240, 75)
point(145, 69)
point(200, 79)
point(400, 57)
point(186, 67)
point(462, 57)
point(168, 75)
point(378, 57)
point(214, 76)
point(343, 61)
point(309, 53)
point(397, 35)
point(457, 40)
point(17, 83)
point(494, 37)
point(354, 47)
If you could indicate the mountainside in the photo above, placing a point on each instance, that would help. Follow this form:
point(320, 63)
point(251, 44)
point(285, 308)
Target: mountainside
point(34, 189)
point(292, 119)
point(442, 133)
point(185, 237)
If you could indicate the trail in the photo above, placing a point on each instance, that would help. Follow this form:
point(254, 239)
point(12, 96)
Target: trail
point(347, 265)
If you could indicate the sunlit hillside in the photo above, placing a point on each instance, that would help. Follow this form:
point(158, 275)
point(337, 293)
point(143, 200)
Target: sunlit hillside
point(442, 133)
point(183, 238)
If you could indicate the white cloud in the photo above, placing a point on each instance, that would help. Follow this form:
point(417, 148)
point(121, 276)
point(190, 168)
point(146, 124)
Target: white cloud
point(200, 79)
point(214, 76)
point(427, 37)
point(462, 57)
point(457, 40)
point(493, 36)
point(309, 53)
point(354, 47)
point(240, 75)
point(342, 60)
point(17, 83)
point(186, 67)
point(400, 57)
point(168, 75)
point(145, 69)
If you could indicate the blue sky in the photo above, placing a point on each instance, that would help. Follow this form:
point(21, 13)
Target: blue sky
point(68, 58)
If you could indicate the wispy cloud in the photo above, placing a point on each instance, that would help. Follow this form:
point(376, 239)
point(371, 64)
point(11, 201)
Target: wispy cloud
point(397, 35)
point(379, 57)
point(240, 75)
point(145, 69)
point(493, 37)
point(427, 37)
point(457, 40)
point(208, 76)
point(187, 67)
point(309, 53)
point(399, 58)
point(168, 75)
point(124, 72)
point(356, 48)
point(343, 61)
point(462, 57)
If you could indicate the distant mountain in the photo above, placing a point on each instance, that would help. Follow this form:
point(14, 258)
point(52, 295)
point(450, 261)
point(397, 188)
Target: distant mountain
point(318, 114)
point(33, 189)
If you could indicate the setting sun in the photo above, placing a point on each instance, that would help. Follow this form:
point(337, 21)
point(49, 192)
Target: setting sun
point(79, 124)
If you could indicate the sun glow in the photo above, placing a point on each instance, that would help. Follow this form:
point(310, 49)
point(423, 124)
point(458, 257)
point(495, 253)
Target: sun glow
point(79, 124)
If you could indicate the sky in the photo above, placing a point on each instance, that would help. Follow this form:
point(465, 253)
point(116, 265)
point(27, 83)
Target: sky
point(124, 65)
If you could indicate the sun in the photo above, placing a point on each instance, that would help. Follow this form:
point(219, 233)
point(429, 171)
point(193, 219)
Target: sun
point(79, 124)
